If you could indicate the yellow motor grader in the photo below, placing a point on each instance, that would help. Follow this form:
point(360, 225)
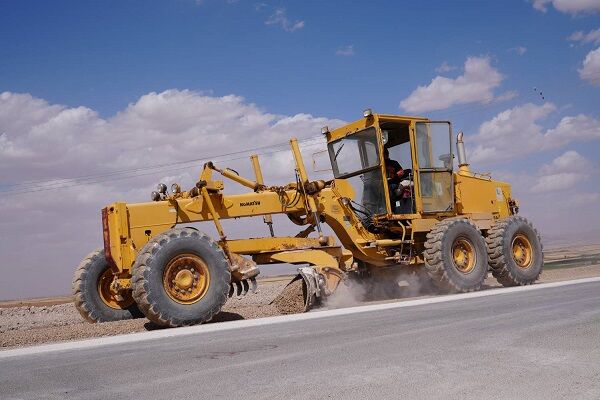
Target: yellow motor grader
point(431, 218)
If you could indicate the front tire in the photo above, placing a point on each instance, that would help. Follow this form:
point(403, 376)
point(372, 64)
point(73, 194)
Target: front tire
point(180, 278)
point(92, 293)
point(456, 256)
point(515, 252)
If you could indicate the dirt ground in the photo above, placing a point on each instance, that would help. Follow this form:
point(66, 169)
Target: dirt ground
point(28, 323)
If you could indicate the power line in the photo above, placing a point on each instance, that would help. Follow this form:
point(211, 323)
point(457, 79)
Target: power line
point(51, 184)
point(68, 184)
point(94, 179)
point(25, 184)
point(153, 167)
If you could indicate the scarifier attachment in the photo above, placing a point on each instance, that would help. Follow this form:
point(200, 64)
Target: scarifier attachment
point(241, 288)
point(243, 275)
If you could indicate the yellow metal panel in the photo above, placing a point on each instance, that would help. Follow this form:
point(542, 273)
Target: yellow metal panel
point(424, 224)
point(312, 257)
point(120, 239)
point(368, 122)
point(482, 220)
point(269, 244)
point(481, 195)
point(350, 128)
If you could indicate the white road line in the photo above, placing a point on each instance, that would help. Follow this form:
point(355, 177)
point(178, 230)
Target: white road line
point(223, 326)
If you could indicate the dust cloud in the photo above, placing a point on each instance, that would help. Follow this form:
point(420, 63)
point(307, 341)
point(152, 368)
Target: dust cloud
point(352, 292)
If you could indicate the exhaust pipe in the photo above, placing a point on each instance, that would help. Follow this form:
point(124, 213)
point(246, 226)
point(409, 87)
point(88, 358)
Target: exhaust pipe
point(460, 152)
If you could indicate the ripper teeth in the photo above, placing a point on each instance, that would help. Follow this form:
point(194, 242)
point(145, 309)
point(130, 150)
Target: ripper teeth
point(241, 288)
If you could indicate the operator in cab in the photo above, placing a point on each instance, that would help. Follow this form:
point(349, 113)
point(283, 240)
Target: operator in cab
point(399, 184)
point(394, 171)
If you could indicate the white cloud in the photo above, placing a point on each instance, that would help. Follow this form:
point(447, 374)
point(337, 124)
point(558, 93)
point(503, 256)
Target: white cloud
point(557, 182)
point(516, 132)
point(520, 50)
point(540, 5)
point(566, 213)
point(572, 7)
point(511, 133)
point(345, 51)
point(590, 71)
point(279, 17)
point(45, 142)
point(475, 85)
point(564, 172)
point(584, 199)
point(592, 36)
point(445, 67)
point(569, 161)
point(572, 128)
point(508, 95)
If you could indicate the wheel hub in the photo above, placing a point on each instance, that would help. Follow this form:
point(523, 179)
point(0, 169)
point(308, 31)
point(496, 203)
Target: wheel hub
point(119, 300)
point(186, 279)
point(522, 251)
point(463, 255)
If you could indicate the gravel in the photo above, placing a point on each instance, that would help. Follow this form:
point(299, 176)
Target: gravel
point(290, 300)
point(26, 326)
point(30, 325)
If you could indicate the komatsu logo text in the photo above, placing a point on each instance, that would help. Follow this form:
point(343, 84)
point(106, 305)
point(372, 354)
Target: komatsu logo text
point(250, 203)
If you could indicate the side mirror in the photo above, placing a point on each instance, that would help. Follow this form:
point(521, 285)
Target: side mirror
point(447, 160)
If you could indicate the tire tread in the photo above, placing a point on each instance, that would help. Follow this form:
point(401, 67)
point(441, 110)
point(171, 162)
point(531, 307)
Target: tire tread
point(140, 277)
point(81, 297)
point(433, 256)
point(497, 258)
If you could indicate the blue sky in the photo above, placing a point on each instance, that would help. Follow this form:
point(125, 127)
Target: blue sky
point(105, 55)
point(90, 88)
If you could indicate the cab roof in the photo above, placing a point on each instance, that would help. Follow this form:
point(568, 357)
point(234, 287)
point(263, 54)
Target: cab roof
point(369, 121)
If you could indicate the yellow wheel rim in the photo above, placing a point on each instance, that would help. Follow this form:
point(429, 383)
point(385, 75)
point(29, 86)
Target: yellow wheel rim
point(463, 255)
point(117, 300)
point(186, 279)
point(522, 251)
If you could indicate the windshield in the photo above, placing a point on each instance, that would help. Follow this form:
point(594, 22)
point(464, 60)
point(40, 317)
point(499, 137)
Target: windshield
point(354, 153)
point(355, 158)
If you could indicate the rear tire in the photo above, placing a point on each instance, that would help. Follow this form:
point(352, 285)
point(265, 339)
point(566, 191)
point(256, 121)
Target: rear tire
point(180, 278)
point(456, 256)
point(91, 290)
point(515, 252)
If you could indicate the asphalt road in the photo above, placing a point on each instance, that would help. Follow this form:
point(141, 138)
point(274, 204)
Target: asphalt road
point(534, 344)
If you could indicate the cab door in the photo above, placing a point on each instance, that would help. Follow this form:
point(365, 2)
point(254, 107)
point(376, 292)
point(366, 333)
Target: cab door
point(433, 145)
